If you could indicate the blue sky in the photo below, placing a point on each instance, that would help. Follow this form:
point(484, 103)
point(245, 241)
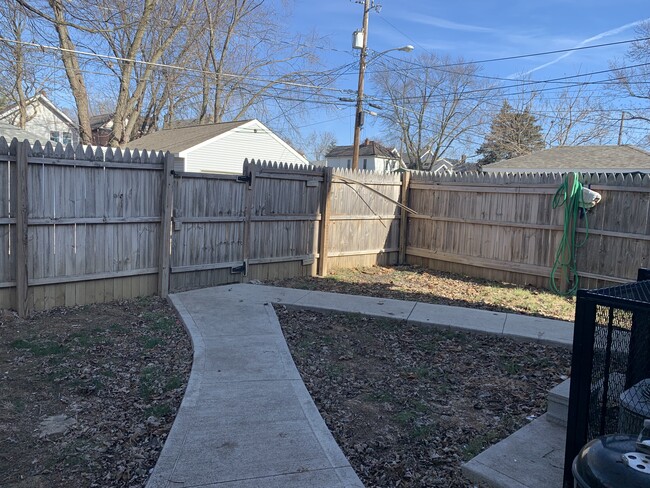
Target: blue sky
point(475, 30)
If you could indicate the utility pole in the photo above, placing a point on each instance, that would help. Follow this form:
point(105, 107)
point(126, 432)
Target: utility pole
point(620, 130)
point(358, 120)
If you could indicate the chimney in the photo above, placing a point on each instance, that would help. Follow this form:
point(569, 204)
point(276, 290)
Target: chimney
point(366, 142)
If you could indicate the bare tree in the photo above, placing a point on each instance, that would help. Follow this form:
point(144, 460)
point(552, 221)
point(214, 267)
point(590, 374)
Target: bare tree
point(318, 144)
point(573, 118)
point(632, 76)
point(432, 103)
point(21, 72)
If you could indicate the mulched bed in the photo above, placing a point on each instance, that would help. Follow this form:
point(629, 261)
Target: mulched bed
point(89, 394)
point(408, 404)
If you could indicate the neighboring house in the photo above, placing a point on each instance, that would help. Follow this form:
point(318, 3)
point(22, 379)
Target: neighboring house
point(220, 148)
point(101, 127)
point(442, 165)
point(426, 161)
point(9, 132)
point(43, 119)
point(372, 156)
point(450, 165)
point(581, 159)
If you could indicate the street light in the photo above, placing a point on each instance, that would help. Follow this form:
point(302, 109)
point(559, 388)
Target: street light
point(358, 122)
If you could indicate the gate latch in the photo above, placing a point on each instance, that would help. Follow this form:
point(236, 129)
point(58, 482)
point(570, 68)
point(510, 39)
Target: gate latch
point(239, 269)
point(245, 178)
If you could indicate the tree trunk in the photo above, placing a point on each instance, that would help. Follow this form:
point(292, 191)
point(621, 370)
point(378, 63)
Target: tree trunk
point(73, 72)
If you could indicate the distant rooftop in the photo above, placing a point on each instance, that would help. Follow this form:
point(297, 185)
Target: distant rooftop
point(182, 138)
point(367, 148)
point(578, 158)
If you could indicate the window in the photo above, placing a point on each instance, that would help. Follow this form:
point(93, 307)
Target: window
point(67, 138)
point(54, 135)
point(365, 164)
point(349, 163)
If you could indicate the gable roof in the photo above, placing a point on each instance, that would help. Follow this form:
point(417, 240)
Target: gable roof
point(9, 132)
point(97, 121)
point(578, 158)
point(40, 97)
point(182, 138)
point(367, 148)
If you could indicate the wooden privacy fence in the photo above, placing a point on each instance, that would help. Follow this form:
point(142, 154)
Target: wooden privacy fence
point(503, 227)
point(278, 221)
point(84, 225)
point(78, 225)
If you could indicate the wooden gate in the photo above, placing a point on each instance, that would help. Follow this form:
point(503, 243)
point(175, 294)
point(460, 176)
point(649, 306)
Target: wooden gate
point(263, 224)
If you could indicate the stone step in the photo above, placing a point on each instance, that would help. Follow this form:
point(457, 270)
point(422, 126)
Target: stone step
point(532, 457)
point(557, 410)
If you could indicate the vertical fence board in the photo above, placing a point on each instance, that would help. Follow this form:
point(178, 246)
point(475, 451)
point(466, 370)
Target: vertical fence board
point(504, 225)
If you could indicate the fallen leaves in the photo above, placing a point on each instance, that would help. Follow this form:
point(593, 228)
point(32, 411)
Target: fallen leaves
point(408, 404)
point(90, 393)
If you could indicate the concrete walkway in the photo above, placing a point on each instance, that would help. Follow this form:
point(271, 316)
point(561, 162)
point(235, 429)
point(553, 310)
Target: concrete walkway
point(247, 419)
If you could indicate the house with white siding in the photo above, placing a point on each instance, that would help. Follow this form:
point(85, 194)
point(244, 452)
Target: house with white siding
point(44, 119)
point(220, 148)
point(372, 157)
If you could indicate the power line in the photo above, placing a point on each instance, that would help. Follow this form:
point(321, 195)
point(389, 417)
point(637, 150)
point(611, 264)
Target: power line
point(168, 66)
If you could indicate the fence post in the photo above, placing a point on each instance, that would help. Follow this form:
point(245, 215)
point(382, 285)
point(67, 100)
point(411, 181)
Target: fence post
point(403, 221)
point(167, 204)
point(22, 233)
point(323, 231)
point(250, 169)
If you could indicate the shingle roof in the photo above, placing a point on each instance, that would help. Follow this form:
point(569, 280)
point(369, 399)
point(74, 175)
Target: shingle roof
point(96, 121)
point(9, 131)
point(579, 158)
point(182, 138)
point(368, 148)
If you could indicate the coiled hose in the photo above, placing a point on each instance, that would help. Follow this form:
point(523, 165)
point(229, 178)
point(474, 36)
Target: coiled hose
point(568, 194)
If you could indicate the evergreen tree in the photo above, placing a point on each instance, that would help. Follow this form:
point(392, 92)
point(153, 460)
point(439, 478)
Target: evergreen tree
point(511, 134)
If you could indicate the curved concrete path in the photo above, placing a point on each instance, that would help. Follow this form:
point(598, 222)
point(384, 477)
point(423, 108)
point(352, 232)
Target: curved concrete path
point(247, 419)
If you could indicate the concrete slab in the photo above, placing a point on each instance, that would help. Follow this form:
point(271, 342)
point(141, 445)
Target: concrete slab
point(554, 332)
point(258, 450)
point(247, 420)
point(532, 457)
point(557, 411)
point(334, 478)
point(249, 358)
point(376, 307)
point(244, 293)
point(459, 318)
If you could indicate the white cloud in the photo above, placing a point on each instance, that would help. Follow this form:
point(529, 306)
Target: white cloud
point(597, 37)
point(445, 24)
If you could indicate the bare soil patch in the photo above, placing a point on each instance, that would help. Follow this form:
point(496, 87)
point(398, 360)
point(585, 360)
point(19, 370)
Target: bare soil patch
point(408, 404)
point(89, 393)
point(427, 286)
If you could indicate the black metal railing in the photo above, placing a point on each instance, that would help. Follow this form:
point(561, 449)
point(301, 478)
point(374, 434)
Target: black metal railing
point(610, 365)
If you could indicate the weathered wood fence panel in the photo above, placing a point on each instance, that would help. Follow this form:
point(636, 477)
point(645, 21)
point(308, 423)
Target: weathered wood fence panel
point(93, 224)
point(207, 230)
point(7, 227)
point(504, 227)
point(284, 224)
point(364, 224)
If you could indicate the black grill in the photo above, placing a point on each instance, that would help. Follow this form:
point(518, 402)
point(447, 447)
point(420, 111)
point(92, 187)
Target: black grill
point(610, 366)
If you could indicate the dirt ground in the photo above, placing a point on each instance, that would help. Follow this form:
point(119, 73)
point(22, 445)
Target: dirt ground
point(89, 393)
point(408, 404)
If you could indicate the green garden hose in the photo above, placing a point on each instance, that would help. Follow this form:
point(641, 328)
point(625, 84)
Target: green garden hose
point(569, 195)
